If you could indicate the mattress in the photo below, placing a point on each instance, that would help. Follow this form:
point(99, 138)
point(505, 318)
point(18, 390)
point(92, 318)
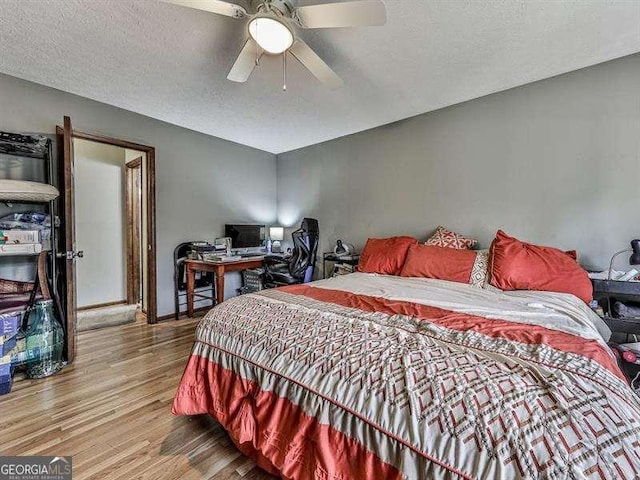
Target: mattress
point(367, 376)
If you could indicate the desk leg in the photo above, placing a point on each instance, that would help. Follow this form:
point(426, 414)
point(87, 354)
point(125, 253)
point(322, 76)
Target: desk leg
point(191, 284)
point(220, 284)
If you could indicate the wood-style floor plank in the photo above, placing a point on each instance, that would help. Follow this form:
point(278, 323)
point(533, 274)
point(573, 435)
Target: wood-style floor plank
point(111, 411)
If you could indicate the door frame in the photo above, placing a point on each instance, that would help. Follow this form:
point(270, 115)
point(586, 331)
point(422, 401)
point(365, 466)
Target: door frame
point(66, 210)
point(151, 277)
point(133, 225)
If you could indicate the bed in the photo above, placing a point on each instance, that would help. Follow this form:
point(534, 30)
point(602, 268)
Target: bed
point(368, 376)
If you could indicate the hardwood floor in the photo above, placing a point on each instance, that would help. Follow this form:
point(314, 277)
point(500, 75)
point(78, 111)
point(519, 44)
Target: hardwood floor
point(111, 412)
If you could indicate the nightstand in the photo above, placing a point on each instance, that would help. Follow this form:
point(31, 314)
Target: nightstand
point(607, 292)
point(333, 258)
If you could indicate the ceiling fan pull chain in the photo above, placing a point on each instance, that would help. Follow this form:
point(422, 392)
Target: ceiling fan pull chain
point(284, 71)
point(257, 50)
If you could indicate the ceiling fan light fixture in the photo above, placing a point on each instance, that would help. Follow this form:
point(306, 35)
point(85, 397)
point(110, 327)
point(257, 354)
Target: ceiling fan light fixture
point(273, 36)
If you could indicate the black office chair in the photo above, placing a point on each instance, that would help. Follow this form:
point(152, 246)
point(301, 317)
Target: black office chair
point(300, 265)
point(204, 281)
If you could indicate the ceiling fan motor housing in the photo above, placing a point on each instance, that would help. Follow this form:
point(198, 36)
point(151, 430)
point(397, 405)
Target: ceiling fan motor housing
point(281, 8)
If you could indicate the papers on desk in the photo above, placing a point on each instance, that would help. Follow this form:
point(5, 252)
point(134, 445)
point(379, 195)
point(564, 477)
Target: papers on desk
point(217, 258)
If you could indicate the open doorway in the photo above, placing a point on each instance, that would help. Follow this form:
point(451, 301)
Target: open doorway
point(111, 216)
point(65, 206)
point(135, 221)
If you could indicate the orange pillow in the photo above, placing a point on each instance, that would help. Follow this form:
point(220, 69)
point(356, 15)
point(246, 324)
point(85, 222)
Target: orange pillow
point(385, 255)
point(443, 263)
point(517, 265)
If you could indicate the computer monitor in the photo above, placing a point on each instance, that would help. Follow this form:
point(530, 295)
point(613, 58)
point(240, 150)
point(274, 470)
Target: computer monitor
point(245, 236)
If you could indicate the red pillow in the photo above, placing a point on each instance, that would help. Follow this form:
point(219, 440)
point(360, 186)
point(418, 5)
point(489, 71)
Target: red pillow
point(385, 255)
point(517, 265)
point(443, 263)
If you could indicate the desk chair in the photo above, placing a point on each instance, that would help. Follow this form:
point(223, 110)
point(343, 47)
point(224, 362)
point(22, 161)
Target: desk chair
point(300, 265)
point(203, 284)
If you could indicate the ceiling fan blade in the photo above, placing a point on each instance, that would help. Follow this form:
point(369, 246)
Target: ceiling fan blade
point(213, 6)
point(361, 13)
point(310, 59)
point(246, 62)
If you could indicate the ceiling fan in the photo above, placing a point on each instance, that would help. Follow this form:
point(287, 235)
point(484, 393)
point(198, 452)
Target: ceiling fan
point(272, 30)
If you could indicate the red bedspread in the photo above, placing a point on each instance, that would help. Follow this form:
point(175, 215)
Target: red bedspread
point(315, 383)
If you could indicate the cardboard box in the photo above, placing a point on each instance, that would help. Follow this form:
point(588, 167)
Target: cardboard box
point(20, 248)
point(21, 236)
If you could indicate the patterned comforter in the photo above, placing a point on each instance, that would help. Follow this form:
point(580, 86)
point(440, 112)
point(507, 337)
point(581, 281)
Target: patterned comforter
point(369, 377)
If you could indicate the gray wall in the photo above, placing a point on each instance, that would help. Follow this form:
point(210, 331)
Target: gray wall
point(201, 181)
point(556, 162)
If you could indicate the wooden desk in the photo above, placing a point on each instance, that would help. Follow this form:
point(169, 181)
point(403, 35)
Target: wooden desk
point(219, 268)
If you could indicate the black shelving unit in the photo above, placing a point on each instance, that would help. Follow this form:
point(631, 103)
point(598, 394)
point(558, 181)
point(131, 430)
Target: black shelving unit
point(15, 150)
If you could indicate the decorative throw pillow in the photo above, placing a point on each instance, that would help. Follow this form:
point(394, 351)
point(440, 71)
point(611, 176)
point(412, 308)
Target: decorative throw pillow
point(455, 265)
point(516, 265)
point(449, 239)
point(479, 272)
point(385, 255)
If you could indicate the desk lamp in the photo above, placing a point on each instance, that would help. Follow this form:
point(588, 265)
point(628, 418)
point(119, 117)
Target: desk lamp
point(276, 234)
point(633, 260)
point(635, 257)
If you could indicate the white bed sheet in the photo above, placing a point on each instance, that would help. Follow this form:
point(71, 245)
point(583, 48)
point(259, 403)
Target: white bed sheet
point(556, 311)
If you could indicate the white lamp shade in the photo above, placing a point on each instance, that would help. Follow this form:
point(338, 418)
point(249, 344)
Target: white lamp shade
point(276, 233)
point(272, 35)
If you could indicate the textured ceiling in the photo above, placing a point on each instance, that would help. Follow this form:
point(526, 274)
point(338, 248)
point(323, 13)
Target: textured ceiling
point(171, 63)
